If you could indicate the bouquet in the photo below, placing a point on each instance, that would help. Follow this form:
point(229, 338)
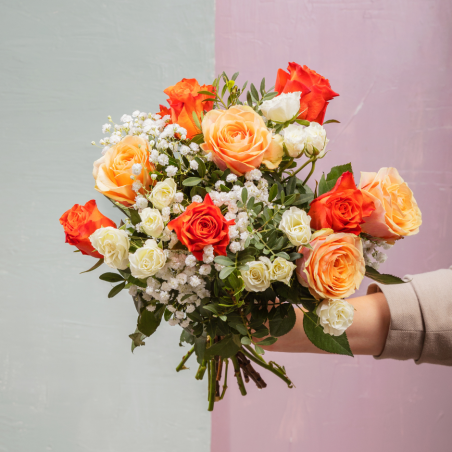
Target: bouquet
point(224, 232)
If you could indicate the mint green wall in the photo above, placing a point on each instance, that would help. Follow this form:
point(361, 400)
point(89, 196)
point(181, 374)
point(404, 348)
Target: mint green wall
point(68, 381)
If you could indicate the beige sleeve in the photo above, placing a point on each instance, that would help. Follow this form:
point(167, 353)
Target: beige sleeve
point(421, 318)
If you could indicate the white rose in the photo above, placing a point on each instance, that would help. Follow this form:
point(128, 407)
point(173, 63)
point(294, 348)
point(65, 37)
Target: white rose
point(281, 270)
point(281, 108)
point(295, 223)
point(147, 261)
point(315, 138)
point(151, 222)
point(295, 139)
point(335, 316)
point(163, 193)
point(113, 244)
point(257, 278)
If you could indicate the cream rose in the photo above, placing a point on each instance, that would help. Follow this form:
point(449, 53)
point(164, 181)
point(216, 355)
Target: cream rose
point(113, 244)
point(295, 223)
point(282, 108)
point(281, 270)
point(295, 139)
point(163, 193)
point(335, 316)
point(315, 138)
point(147, 261)
point(257, 278)
point(397, 213)
point(151, 222)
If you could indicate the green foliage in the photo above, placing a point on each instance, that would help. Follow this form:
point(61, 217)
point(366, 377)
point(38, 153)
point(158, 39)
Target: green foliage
point(383, 278)
point(96, 265)
point(113, 292)
point(190, 181)
point(148, 321)
point(111, 277)
point(282, 320)
point(225, 348)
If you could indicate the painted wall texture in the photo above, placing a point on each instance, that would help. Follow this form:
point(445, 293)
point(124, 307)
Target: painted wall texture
point(391, 63)
point(68, 381)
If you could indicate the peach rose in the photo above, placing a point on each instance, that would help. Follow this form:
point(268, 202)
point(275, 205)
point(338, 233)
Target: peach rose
point(113, 170)
point(397, 213)
point(239, 140)
point(334, 267)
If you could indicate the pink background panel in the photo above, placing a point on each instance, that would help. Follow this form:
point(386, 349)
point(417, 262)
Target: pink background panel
point(391, 63)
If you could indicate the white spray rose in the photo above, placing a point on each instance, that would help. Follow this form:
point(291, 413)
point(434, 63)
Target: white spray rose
point(281, 270)
point(257, 278)
point(295, 139)
point(281, 108)
point(147, 261)
point(151, 222)
point(163, 193)
point(113, 244)
point(335, 316)
point(295, 223)
point(315, 138)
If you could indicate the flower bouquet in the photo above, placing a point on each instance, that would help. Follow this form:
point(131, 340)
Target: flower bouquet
point(219, 234)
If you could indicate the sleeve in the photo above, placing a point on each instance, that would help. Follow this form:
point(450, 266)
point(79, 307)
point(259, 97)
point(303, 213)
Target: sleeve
point(421, 318)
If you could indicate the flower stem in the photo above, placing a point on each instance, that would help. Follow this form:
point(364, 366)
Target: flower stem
point(201, 371)
point(310, 173)
point(238, 374)
point(212, 385)
point(225, 384)
point(299, 169)
point(184, 359)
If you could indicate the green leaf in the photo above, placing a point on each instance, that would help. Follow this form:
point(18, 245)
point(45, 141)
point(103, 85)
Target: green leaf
point(290, 188)
point(134, 216)
point(259, 350)
point(224, 260)
point(260, 333)
point(201, 167)
point(279, 326)
point(273, 192)
point(289, 200)
point(283, 255)
point(323, 187)
point(326, 342)
point(249, 99)
point(268, 341)
point(226, 348)
point(383, 278)
point(330, 121)
point(336, 172)
point(240, 327)
point(113, 292)
point(137, 339)
point(270, 96)
point(200, 348)
point(226, 272)
point(245, 340)
point(196, 119)
point(191, 181)
point(262, 88)
point(234, 77)
point(198, 139)
point(206, 92)
point(96, 265)
point(295, 256)
point(148, 321)
point(185, 336)
point(111, 277)
point(303, 122)
point(244, 195)
point(136, 281)
point(254, 92)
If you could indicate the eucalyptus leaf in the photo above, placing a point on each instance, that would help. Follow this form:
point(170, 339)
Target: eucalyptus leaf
point(223, 260)
point(191, 181)
point(225, 272)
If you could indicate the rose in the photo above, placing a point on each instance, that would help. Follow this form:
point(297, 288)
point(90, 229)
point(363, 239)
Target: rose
point(335, 316)
point(396, 212)
point(202, 224)
point(334, 267)
point(257, 277)
point(342, 209)
point(151, 222)
point(162, 195)
point(113, 244)
point(239, 140)
point(295, 139)
point(80, 222)
point(316, 90)
point(184, 100)
point(315, 138)
point(147, 261)
point(281, 108)
point(113, 170)
point(295, 223)
point(281, 270)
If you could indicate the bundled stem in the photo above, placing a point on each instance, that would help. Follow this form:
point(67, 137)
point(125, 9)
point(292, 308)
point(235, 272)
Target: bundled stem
point(212, 386)
point(184, 360)
point(238, 375)
point(201, 370)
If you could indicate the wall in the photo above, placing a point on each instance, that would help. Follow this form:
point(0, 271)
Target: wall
point(68, 381)
point(390, 60)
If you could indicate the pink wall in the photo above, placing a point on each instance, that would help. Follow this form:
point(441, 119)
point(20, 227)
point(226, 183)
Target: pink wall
point(391, 62)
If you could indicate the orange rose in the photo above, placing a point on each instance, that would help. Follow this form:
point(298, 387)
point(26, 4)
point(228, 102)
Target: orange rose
point(315, 90)
point(334, 267)
point(113, 170)
point(397, 213)
point(80, 222)
point(239, 140)
point(184, 100)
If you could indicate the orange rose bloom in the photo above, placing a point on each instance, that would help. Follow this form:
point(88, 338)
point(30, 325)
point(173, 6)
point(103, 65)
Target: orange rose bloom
point(113, 170)
point(200, 225)
point(80, 222)
point(334, 268)
point(184, 100)
point(343, 208)
point(239, 140)
point(316, 90)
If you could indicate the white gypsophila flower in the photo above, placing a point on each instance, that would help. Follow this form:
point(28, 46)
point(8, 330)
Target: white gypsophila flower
point(180, 315)
point(148, 260)
point(171, 308)
point(163, 159)
point(173, 240)
point(151, 308)
point(244, 235)
point(136, 113)
point(179, 197)
point(209, 157)
point(295, 139)
point(315, 138)
point(185, 150)
point(115, 139)
point(185, 323)
point(106, 128)
point(137, 168)
point(208, 258)
point(149, 290)
point(171, 170)
point(146, 297)
point(151, 222)
point(136, 185)
point(231, 178)
point(235, 247)
point(218, 267)
point(173, 322)
point(126, 118)
point(282, 108)
point(133, 290)
point(257, 277)
point(295, 223)
point(153, 176)
point(205, 269)
point(254, 174)
point(233, 232)
point(182, 278)
point(190, 260)
point(230, 216)
point(194, 281)
point(196, 198)
point(208, 250)
point(219, 183)
point(113, 244)
point(282, 270)
point(154, 156)
point(162, 195)
point(164, 297)
point(141, 202)
point(335, 316)
point(177, 208)
point(194, 147)
point(190, 308)
point(194, 165)
point(166, 212)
